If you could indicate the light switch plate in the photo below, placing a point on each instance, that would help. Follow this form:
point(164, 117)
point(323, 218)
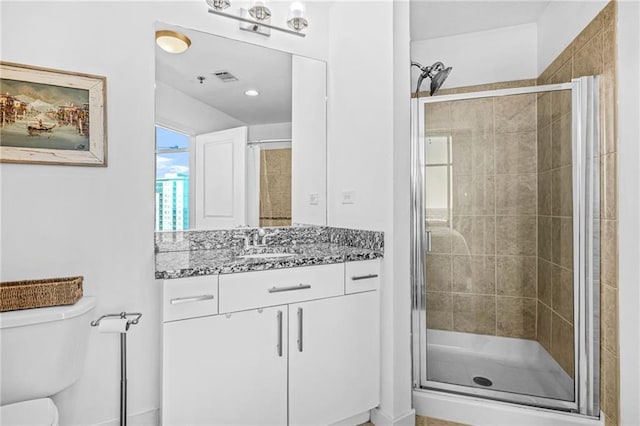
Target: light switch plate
point(314, 199)
point(348, 197)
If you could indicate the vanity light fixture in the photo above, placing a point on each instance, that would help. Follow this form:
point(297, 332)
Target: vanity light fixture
point(172, 41)
point(258, 18)
point(252, 92)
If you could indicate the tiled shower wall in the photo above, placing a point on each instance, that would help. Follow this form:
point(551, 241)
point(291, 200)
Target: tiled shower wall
point(481, 272)
point(275, 187)
point(593, 52)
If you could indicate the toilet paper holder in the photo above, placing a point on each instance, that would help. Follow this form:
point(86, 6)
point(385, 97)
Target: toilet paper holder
point(135, 318)
point(122, 315)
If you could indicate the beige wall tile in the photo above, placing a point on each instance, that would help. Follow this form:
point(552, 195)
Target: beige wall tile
point(562, 292)
point(437, 116)
point(561, 101)
point(516, 235)
point(476, 114)
point(516, 194)
point(544, 237)
point(516, 113)
point(439, 311)
point(438, 272)
point(563, 75)
point(544, 110)
point(562, 343)
point(473, 195)
point(544, 326)
point(609, 316)
point(440, 239)
point(588, 59)
point(474, 314)
point(516, 317)
point(608, 112)
point(608, 185)
point(544, 281)
point(562, 192)
point(544, 193)
point(516, 153)
point(474, 235)
point(587, 34)
point(474, 274)
point(516, 276)
point(561, 141)
point(562, 242)
point(472, 151)
point(609, 252)
point(544, 153)
point(490, 86)
point(610, 386)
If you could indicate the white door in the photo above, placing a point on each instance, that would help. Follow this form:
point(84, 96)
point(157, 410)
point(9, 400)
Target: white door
point(220, 163)
point(226, 369)
point(333, 358)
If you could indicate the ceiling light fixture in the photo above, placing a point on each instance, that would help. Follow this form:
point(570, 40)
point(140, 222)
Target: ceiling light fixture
point(252, 92)
point(258, 18)
point(172, 41)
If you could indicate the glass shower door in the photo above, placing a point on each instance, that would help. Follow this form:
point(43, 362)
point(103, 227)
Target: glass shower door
point(503, 178)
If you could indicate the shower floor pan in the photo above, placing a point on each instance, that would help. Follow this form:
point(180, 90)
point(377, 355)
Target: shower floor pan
point(511, 365)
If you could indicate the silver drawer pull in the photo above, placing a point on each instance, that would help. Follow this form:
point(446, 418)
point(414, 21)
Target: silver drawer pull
point(275, 289)
point(180, 300)
point(364, 277)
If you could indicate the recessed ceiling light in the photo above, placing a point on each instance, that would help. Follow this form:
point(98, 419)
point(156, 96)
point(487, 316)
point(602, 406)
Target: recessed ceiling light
point(172, 41)
point(252, 92)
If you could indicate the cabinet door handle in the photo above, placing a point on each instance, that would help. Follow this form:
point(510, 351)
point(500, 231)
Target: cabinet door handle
point(299, 329)
point(179, 300)
point(364, 277)
point(275, 289)
point(279, 333)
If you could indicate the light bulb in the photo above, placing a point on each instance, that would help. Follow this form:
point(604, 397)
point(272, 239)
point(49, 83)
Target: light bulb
point(259, 10)
point(297, 21)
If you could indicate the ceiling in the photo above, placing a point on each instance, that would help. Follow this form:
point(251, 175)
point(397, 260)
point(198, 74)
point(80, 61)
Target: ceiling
point(438, 18)
point(266, 70)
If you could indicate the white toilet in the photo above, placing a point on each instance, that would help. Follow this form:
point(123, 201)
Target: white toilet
point(42, 352)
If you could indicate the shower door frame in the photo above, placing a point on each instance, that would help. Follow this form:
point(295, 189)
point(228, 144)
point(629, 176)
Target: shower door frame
point(586, 253)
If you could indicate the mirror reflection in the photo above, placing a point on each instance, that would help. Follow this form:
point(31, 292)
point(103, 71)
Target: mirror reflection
point(223, 135)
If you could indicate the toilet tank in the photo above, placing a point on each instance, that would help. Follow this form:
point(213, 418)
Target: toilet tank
point(42, 351)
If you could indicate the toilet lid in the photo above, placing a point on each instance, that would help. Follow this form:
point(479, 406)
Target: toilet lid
point(38, 412)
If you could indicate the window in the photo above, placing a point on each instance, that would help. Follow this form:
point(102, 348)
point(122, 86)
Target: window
point(172, 180)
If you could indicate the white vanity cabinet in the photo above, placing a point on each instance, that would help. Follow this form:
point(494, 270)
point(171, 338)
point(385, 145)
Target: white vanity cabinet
point(284, 347)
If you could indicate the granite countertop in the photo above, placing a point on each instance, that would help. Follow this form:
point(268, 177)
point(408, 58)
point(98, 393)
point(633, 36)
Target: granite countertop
point(190, 263)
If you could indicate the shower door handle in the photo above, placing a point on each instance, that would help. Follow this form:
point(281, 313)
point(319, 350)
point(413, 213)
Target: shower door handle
point(428, 247)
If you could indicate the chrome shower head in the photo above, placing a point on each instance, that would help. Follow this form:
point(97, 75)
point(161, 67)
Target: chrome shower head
point(436, 72)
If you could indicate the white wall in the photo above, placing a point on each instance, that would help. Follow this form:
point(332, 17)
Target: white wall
point(364, 130)
point(178, 111)
point(629, 208)
point(503, 54)
point(259, 132)
point(98, 222)
point(559, 24)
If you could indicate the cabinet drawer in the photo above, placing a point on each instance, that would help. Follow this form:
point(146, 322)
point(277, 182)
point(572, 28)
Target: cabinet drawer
point(362, 276)
point(190, 297)
point(250, 290)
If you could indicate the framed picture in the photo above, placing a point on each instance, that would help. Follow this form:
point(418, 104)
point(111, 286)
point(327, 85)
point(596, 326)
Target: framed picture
point(52, 117)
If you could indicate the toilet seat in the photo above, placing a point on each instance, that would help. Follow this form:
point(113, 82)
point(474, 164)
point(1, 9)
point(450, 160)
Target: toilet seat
point(37, 412)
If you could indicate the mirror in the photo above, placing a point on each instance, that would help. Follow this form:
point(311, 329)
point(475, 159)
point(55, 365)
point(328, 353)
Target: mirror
point(240, 135)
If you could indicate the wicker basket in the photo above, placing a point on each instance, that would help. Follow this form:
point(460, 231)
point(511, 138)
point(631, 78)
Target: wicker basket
point(15, 295)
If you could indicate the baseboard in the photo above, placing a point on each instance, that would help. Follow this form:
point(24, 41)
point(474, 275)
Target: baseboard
point(380, 418)
point(358, 419)
point(146, 418)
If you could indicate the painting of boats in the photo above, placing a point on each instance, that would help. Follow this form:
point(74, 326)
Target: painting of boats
point(50, 116)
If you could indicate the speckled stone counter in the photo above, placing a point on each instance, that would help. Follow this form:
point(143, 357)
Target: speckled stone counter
point(195, 253)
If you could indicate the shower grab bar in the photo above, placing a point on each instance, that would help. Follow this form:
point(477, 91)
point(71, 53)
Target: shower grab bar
point(275, 289)
point(179, 300)
point(364, 277)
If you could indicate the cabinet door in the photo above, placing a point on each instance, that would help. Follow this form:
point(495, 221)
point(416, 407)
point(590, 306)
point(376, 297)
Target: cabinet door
point(226, 369)
point(334, 358)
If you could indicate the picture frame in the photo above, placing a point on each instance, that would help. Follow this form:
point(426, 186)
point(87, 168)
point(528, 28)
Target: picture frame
point(50, 116)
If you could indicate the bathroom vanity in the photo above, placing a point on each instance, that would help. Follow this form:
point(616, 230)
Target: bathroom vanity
point(287, 336)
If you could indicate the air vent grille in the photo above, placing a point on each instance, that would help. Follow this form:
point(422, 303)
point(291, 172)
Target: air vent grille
point(225, 76)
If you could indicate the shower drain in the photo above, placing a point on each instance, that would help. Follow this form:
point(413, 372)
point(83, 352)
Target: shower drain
point(482, 381)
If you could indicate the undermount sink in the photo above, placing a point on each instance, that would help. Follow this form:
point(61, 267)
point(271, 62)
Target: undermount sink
point(266, 255)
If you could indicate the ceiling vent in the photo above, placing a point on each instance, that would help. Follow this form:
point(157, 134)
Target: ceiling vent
point(225, 76)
